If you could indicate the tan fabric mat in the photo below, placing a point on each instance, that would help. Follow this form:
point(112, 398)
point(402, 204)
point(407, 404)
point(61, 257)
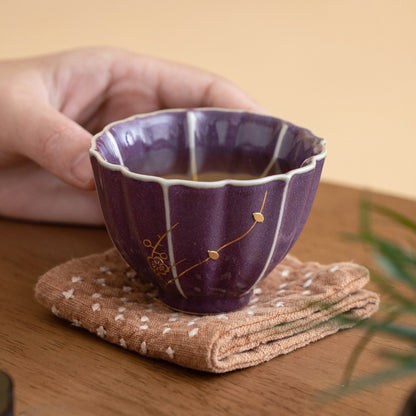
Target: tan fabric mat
point(298, 303)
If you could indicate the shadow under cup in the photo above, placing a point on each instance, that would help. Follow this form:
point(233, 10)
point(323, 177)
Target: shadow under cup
point(205, 203)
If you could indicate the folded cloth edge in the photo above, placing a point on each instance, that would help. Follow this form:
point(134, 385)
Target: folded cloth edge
point(219, 358)
point(281, 340)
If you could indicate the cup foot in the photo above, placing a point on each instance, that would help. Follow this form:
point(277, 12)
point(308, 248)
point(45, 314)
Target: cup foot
point(204, 305)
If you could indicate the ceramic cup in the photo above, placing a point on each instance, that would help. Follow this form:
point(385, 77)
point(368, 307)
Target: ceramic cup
point(205, 202)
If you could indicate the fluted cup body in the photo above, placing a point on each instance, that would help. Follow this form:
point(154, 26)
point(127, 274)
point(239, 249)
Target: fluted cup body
point(203, 239)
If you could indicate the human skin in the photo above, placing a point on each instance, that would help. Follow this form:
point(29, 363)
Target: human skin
point(52, 105)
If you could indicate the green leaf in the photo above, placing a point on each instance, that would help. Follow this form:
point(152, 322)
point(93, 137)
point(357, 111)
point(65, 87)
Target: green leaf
point(372, 380)
point(402, 331)
point(401, 302)
point(355, 355)
point(395, 216)
point(400, 357)
point(396, 263)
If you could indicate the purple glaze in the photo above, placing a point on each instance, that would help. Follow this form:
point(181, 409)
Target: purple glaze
point(164, 228)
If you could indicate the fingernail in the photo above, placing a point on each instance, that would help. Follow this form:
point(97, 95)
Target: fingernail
point(82, 171)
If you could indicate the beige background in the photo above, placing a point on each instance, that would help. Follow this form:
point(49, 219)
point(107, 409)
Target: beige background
point(345, 69)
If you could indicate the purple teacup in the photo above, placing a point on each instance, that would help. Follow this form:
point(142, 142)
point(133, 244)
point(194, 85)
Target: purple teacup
point(205, 202)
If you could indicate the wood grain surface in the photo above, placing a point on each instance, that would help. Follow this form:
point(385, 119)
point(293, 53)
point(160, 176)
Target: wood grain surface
point(62, 370)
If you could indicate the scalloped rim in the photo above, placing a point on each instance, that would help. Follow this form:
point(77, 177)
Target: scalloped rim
point(200, 184)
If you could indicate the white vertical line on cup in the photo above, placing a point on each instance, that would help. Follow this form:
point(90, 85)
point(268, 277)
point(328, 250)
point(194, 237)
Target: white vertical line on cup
point(115, 147)
point(191, 123)
point(277, 147)
point(277, 231)
point(165, 188)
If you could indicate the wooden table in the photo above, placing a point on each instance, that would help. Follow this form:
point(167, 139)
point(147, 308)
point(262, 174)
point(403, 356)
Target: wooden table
point(62, 370)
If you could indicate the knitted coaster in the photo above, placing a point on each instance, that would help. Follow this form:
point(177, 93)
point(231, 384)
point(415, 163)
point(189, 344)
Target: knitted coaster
point(298, 303)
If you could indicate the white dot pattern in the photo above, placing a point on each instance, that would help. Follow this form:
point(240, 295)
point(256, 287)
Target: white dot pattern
point(193, 332)
point(131, 274)
point(131, 315)
point(96, 307)
point(170, 353)
point(175, 319)
point(68, 294)
point(55, 311)
point(307, 283)
point(101, 332)
point(105, 270)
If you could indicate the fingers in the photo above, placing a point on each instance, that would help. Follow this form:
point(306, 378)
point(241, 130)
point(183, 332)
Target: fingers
point(166, 84)
point(56, 143)
point(182, 86)
point(47, 136)
point(31, 193)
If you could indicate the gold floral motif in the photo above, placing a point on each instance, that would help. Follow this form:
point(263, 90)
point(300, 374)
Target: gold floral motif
point(258, 217)
point(213, 255)
point(157, 258)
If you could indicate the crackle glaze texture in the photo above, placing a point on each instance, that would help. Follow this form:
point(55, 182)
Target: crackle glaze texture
point(205, 245)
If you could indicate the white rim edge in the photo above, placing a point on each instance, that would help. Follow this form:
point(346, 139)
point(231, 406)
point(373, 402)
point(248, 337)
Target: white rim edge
point(200, 184)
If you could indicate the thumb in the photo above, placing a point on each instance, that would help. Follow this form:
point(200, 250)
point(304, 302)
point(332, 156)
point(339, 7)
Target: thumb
point(58, 144)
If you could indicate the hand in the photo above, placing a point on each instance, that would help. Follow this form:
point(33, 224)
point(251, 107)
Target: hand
point(51, 106)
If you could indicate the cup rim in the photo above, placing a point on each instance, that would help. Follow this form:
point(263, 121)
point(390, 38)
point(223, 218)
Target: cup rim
point(93, 152)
